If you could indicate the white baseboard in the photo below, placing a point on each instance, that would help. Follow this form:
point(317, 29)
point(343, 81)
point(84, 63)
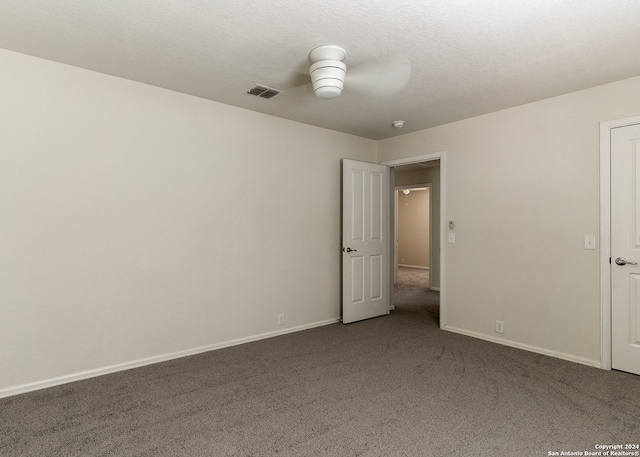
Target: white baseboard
point(24, 388)
point(527, 347)
point(413, 266)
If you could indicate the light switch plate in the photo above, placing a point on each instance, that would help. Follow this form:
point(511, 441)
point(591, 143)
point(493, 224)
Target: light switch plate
point(452, 238)
point(590, 242)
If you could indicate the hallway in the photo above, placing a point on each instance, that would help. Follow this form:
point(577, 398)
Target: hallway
point(411, 295)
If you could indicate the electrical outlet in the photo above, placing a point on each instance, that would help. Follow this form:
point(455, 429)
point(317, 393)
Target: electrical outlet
point(280, 319)
point(499, 327)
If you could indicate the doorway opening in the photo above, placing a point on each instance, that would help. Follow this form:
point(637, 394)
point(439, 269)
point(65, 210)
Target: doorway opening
point(412, 259)
point(412, 222)
point(419, 290)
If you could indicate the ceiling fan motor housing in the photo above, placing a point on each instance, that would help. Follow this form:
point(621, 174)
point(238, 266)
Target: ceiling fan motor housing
point(327, 77)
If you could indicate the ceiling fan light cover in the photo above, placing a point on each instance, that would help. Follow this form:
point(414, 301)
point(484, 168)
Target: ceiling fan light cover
point(328, 92)
point(327, 77)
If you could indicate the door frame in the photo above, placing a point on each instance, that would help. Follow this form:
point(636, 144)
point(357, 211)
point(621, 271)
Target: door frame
point(440, 155)
point(605, 235)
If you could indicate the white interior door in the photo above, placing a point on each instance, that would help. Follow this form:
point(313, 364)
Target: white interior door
point(365, 240)
point(625, 248)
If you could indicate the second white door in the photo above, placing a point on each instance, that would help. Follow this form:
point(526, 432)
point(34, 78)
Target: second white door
point(625, 248)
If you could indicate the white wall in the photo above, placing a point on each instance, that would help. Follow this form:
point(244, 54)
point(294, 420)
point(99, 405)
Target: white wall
point(137, 222)
point(522, 188)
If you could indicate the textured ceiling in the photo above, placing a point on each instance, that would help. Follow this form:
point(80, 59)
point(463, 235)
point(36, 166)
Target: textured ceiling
point(468, 57)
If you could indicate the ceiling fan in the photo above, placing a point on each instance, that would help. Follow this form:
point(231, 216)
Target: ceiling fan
point(378, 79)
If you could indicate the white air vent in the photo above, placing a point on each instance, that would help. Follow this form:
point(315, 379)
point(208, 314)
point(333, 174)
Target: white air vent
point(263, 91)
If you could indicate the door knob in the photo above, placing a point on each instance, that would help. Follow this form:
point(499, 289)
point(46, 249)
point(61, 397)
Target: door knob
point(349, 250)
point(623, 261)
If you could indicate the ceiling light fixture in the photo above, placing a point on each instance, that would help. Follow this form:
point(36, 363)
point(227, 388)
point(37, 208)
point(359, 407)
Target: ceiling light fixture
point(328, 71)
point(398, 124)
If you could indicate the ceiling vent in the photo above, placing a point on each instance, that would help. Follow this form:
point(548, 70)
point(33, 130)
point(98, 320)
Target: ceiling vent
point(264, 91)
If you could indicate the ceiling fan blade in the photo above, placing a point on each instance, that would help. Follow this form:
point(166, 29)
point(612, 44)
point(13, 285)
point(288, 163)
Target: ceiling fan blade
point(283, 79)
point(299, 92)
point(380, 79)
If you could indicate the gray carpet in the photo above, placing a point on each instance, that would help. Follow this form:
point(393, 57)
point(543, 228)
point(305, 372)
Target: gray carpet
point(411, 293)
point(391, 386)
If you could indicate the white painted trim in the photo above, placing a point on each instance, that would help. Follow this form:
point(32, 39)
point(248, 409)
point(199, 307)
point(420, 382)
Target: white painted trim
point(415, 159)
point(605, 245)
point(394, 239)
point(605, 235)
point(413, 266)
point(442, 156)
point(437, 289)
point(527, 347)
point(423, 186)
point(24, 388)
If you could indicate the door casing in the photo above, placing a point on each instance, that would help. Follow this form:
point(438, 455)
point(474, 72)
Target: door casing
point(605, 235)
